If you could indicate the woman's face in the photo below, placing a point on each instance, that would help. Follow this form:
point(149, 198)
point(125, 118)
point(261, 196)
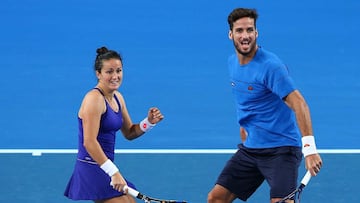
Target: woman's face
point(111, 74)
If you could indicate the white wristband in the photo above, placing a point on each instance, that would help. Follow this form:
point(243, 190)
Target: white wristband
point(308, 145)
point(145, 125)
point(109, 167)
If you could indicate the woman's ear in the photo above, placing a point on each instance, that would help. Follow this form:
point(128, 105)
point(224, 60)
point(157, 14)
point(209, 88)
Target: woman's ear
point(97, 74)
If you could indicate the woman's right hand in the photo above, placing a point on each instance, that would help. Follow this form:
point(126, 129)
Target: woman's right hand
point(118, 182)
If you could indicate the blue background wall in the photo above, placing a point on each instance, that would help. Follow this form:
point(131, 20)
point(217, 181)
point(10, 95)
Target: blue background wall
point(175, 56)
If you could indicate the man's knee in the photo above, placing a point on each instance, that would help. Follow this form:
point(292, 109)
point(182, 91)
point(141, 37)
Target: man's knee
point(211, 197)
point(220, 194)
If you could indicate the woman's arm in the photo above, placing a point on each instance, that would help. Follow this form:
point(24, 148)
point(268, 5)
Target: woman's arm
point(132, 131)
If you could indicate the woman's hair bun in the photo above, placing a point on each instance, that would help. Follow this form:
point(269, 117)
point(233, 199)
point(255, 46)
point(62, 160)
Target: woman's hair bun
point(101, 50)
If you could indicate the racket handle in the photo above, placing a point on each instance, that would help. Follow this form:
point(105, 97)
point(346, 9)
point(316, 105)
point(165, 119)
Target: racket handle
point(306, 178)
point(131, 191)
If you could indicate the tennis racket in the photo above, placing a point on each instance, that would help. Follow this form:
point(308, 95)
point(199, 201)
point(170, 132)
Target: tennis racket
point(298, 190)
point(147, 199)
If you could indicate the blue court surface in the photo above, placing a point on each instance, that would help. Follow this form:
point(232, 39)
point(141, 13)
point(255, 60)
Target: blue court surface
point(40, 179)
point(175, 57)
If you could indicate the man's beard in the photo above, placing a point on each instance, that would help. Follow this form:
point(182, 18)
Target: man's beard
point(244, 53)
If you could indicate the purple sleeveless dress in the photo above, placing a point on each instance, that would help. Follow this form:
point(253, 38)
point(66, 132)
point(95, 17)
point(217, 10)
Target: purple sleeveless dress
point(89, 181)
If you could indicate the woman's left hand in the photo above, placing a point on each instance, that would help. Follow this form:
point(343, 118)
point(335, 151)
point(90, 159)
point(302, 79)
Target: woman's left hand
point(154, 115)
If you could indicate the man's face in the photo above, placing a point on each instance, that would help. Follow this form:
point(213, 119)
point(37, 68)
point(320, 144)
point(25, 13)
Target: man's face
point(244, 35)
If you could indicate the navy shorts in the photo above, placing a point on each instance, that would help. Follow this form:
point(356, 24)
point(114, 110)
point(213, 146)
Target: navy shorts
point(248, 168)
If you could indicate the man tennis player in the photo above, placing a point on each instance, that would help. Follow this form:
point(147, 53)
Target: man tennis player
point(275, 123)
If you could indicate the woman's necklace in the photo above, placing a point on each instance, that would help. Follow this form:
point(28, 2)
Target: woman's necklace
point(112, 104)
point(110, 101)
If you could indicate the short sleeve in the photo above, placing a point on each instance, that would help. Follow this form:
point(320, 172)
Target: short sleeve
point(278, 80)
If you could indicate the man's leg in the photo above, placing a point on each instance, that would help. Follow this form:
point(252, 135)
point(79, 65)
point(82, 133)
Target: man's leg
point(219, 194)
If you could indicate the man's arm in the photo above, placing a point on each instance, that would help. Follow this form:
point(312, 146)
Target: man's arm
point(298, 104)
point(243, 134)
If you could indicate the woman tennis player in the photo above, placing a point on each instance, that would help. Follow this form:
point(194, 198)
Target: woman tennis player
point(102, 113)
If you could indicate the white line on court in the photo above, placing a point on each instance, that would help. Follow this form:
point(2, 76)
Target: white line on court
point(39, 152)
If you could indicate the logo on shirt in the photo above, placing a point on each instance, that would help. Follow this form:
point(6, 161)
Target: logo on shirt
point(250, 87)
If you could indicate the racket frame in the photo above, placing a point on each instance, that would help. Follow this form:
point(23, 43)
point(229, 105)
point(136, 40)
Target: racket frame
point(304, 181)
point(147, 199)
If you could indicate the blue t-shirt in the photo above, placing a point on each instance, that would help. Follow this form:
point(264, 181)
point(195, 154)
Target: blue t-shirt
point(259, 88)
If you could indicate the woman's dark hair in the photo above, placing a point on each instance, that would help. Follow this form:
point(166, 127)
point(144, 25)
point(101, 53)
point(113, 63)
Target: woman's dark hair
point(238, 13)
point(104, 54)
